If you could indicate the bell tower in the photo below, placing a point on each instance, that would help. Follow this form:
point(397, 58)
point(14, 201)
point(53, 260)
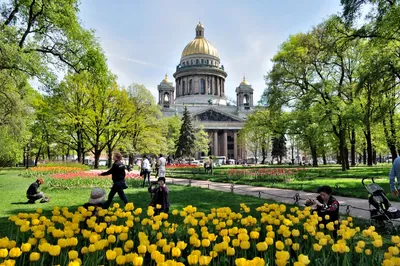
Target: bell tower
point(166, 92)
point(244, 97)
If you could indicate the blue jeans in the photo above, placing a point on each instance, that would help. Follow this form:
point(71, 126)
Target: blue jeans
point(146, 174)
point(115, 189)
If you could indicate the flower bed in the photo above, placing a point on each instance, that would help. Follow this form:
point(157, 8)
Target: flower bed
point(275, 235)
point(87, 179)
point(182, 166)
point(41, 171)
point(268, 174)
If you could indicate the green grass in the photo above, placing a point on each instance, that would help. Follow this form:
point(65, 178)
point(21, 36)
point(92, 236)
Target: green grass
point(346, 183)
point(13, 188)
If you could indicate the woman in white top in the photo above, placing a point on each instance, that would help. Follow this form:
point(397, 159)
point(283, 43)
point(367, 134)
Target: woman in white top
point(146, 170)
point(161, 166)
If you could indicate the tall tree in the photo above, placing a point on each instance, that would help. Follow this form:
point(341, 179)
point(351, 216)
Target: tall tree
point(279, 149)
point(186, 145)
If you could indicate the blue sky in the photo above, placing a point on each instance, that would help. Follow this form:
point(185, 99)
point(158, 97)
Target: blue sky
point(143, 40)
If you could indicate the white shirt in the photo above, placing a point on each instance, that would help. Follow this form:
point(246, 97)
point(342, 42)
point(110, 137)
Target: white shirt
point(146, 164)
point(162, 162)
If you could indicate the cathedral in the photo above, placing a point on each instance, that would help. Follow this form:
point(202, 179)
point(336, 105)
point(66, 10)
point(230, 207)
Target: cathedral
point(200, 86)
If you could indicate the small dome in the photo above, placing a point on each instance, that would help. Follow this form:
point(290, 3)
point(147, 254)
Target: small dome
point(244, 82)
point(200, 45)
point(165, 80)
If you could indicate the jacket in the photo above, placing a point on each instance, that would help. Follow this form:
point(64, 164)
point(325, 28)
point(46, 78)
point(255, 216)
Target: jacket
point(117, 171)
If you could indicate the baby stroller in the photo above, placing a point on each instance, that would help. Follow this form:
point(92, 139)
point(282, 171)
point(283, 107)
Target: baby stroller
point(382, 214)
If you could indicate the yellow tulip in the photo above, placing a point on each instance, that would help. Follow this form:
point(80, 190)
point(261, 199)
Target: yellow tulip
point(377, 243)
point(176, 252)
point(3, 253)
point(34, 256)
point(205, 260)
point(121, 260)
point(138, 261)
point(262, 246)
point(26, 247)
point(245, 245)
point(240, 262)
point(279, 245)
point(317, 247)
point(192, 259)
point(295, 246)
point(254, 235)
point(73, 254)
point(166, 249)
point(142, 249)
point(303, 259)
point(230, 251)
point(111, 254)
point(205, 243)
point(54, 250)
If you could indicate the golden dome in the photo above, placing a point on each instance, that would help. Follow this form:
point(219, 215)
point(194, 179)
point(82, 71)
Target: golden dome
point(244, 82)
point(165, 80)
point(200, 45)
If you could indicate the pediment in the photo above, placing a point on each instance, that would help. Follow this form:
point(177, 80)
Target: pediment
point(212, 115)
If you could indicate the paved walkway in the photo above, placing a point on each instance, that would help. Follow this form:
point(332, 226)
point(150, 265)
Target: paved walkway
point(358, 207)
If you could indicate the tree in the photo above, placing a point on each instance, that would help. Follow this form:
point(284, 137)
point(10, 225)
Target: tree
point(256, 132)
point(202, 140)
point(145, 133)
point(279, 148)
point(186, 145)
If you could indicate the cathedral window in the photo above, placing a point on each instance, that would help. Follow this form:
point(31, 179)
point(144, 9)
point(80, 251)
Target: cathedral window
point(197, 61)
point(183, 87)
point(202, 61)
point(166, 97)
point(203, 86)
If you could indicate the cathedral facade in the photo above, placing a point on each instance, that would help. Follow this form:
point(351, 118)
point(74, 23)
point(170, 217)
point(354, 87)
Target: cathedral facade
point(200, 86)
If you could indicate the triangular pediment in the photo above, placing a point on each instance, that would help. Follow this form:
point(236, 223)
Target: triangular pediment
point(212, 115)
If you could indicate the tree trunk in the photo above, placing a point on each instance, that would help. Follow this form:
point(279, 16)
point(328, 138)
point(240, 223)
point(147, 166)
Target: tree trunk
point(374, 156)
point(342, 150)
point(38, 155)
point(324, 158)
point(292, 147)
point(264, 154)
point(338, 157)
point(367, 134)
point(314, 156)
point(346, 153)
point(353, 147)
point(131, 159)
point(110, 151)
point(364, 156)
point(97, 154)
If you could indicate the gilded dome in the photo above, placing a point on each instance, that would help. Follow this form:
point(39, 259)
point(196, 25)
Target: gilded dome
point(200, 45)
point(244, 82)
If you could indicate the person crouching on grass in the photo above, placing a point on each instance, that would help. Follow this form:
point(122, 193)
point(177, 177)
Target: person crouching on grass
point(160, 197)
point(327, 207)
point(33, 194)
point(117, 171)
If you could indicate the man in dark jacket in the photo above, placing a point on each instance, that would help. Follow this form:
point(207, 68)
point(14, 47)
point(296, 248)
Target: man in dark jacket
point(117, 171)
point(33, 193)
point(325, 205)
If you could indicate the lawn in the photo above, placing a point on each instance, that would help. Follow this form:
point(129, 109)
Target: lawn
point(344, 183)
point(13, 187)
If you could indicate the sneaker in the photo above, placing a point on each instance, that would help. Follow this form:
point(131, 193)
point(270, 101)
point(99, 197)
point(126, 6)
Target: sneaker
point(31, 201)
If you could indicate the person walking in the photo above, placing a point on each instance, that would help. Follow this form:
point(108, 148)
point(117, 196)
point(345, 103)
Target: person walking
point(146, 170)
point(117, 171)
point(162, 162)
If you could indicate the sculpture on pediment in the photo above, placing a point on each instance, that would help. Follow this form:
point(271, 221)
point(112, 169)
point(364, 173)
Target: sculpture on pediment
point(212, 115)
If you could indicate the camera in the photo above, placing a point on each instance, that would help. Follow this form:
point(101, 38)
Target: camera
point(154, 182)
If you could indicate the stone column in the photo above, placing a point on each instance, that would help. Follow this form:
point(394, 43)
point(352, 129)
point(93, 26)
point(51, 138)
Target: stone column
point(235, 151)
point(225, 144)
point(215, 143)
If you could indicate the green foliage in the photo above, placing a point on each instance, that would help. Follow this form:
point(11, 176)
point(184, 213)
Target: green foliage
point(202, 142)
point(10, 149)
point(186, 145)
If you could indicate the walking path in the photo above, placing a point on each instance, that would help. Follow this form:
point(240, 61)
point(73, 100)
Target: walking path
point(356, 207)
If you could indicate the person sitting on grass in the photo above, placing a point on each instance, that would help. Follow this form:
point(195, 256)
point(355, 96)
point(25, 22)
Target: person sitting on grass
point(326, 205)
point(97, 197)
point(160, 191)
point(33, 193)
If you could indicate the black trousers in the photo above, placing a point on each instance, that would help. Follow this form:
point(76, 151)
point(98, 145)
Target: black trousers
point(115, 189)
